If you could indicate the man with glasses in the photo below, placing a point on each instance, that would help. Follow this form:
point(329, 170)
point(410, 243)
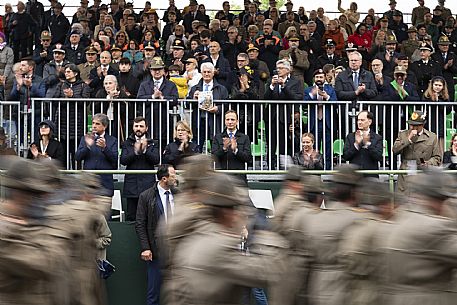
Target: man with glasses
point(42, 54)
point(329, 57)
point(233, 46)
point(158, 87)
point(132, 29)
point(97, 75)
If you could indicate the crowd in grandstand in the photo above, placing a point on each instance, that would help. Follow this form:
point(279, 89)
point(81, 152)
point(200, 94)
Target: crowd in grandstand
point(117, 52)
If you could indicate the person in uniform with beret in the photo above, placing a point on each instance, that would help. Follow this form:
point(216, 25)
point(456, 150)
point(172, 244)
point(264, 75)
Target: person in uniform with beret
point(418, 147)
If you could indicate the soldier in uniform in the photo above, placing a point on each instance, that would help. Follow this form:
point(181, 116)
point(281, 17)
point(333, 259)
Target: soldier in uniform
point(410, 45)
point(214, 269)
point(297, 57)
point(418, 147)
point(417, 16)
point(420, 257)
point(425, 68)
point(91, 63)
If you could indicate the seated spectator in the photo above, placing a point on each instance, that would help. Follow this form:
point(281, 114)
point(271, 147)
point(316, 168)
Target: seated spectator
point(308, 157)
point(98, 74)
point(334, 34)
point(121, 40)
point(450, 156)
point(448, 63)
point(91, 62)
point(74, 50)
point(425, 69)
point(382, 79)
point(364, 147)
point(330, 56)
point(182, 146)
point(378, 44)
point(47, 146)
point(351, 15)
point(99, 151)
point(291, 31)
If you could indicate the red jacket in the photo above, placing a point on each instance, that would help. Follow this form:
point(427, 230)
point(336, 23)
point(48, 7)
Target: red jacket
point(336, 36)
point(363, 41)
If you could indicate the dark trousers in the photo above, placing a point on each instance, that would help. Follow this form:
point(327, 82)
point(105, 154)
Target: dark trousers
point(132, 204)
point(154, 282)
point(20, 45)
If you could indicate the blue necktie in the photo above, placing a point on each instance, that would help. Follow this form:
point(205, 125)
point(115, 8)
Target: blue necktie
point(230, 135)
point(356, 79)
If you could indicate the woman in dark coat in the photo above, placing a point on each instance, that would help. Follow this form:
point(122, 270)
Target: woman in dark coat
point(47, 146)
point(308, 157)
point(450, 156)
point(182, 146)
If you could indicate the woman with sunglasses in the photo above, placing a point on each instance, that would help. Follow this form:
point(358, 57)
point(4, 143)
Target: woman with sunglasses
point(46, 146)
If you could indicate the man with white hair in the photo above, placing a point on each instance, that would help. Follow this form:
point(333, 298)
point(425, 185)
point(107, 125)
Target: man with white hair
point(207, 84)
point(283, 87)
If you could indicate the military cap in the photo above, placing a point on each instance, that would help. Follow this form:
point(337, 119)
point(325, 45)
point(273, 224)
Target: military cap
point(83, 18)
point(294, 38)
point(392, 2)
point(434, 183)
point(45, 35)
point(420, 26)
point(350, 46)
point(417, 118)
point(294, 173)
point(103, 7)
point(384, 18)
point(24, 175)
point(397, 13)
point(75, 32)
point(114, 2)
point(288, 3)
point(449, 24)
point(391, 39)
point(400, 70)
point(372, 192)
point(58, 48)
point(313, 184)
point(129, 4)
point(220, 191)
point(157, 63)
point(58, 5)
point(149, 46)
point(252, 47)
point(318, 71)
point(426, 46)
point(202, 23)
point(115, 48)
point(444, 40)
point(50, 123)
point(438, 8)
point(197, 169)
point(412, 29)
point(193, 2)
point(330, 43)
point(91, 50)
point(347, 174)
point(178, 44)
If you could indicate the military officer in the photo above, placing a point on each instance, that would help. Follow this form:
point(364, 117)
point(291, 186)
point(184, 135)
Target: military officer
point(425, 68)
point(91, 62)
point(410, 45)
point(214, 268)
point(420, 255)
point(297, 57)
point(417, 146)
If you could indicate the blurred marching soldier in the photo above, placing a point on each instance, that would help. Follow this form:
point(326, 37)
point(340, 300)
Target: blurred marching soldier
point(418, 147)
point(327, 285)
point(425, 68)
point(30, 257)
point(214, 270)
point(363, 239)
point(424, 239)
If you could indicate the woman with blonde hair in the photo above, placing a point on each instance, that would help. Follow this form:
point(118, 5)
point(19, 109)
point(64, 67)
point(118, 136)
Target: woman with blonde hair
point(308, 157)
point(181, 147)
point(291, 31)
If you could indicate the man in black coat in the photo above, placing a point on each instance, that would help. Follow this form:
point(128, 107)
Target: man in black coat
point(97, 74)
point(364, 147)
point(204, 117)
point(159, 88)
point(282, 87)
point(448, 62)
point(231, 148)
point(58, 25)
point(43, 53)
point(193, 14)
point(139, 152)
point(155, 205)
point(425, 68)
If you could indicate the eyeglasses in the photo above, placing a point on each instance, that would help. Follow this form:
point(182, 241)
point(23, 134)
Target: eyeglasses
point(231, 32)
point(155, 69)
point(121, 35)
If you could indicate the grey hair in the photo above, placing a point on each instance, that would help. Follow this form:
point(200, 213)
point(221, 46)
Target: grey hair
point(285, 63)
point(207, 65)
point(103, 118)
point(357, 53)
point(111, 78)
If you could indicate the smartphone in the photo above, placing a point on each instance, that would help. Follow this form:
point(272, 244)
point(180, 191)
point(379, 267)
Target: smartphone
point(275, 72)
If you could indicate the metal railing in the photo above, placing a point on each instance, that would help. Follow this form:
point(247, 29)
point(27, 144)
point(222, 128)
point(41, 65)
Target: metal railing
point(274, 127)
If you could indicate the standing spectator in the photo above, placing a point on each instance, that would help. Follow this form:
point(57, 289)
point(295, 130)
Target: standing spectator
point(320, 120)
point(290, 21)
point(446, 12)
point(191, 73)
point(361, 39)
point(298, 59)
point(221, 65)
point(6, 22)
point(399, 27)
point(333, 33)
point(351, 14)
point(22, 27)
point(47, 146)
point(320, 14)
point(6, 63)
point(448, 63)
point(127, 82)
point(432, 29)
point(97, 74)
point(36, 10)
point(155, 205)
point(417, 15)
point(390, 56)
point(233, 45)
point(91, 63)
point(42, 53)
point(74, 51)
point(250, 17)
point(425, 68)
point(139, 152)
point(172, 8)
point(58, 25)
point(319, 25)
point(417, 146)
point(308, 157)
point(193, 14)
point(282, 87)
point(53, 70)
point(231, 148)
point(182, 146)
point(364, 147)
point(27, 84)
point(99, 151)
point(410, 45)
point(330, 57)
point(269, 45)
point(202, 10)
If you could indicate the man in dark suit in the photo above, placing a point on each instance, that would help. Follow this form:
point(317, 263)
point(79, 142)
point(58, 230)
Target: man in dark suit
point(318, 113)
point(231, 148)
point(99, 150)
point(282, 87)
point(193, 14)
point(329, 57)
point(448, 62)
point(139, 152)
point(354, 84)
point(155, 206)
point(202, 117)
point(97, 74)
point(158, 88)
point(364, 147)
point(221, 64)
